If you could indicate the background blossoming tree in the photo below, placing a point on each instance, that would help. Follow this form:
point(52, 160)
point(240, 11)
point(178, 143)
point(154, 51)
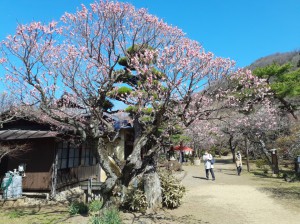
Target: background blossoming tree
point(112, 52)
point(255, 127)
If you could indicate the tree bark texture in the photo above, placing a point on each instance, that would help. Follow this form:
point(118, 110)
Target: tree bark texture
point(110, 182)
point(265, 151)
point(247, 155)
point(134, 161)
point(152, 188)
point(232, 148)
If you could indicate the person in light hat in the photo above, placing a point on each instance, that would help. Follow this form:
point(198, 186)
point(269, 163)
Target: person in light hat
point(238, 162)
point(208, 164)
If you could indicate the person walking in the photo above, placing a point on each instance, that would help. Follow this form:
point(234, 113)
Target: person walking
point(207, 158)
point(181, 156)
point(238, 162)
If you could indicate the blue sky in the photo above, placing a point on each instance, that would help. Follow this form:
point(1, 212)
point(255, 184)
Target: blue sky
point(242, 30)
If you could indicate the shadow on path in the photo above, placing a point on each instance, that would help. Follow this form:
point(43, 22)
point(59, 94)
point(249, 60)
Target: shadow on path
point(224, 161)
point(202, 178)
point(232, 174)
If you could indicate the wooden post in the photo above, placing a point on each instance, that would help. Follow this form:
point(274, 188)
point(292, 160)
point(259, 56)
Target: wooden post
point(90, 187)
point(54, 176)
point(297, 164)
point(274, 161)
point(98, 172)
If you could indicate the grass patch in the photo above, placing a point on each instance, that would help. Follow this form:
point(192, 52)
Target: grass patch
point(262, 174)
point(78, 208)
point(290, 176)
point(282, 186)
point(15, 214)
point(110, 215)
point(60, 214)
point(45, 215)
point(95, 206)
point(284, 191)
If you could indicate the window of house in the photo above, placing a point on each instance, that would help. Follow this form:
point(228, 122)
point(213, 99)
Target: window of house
point(73, 160)
point(87, 157)
point(69, 155)
point(84, 156)
point(62, 153)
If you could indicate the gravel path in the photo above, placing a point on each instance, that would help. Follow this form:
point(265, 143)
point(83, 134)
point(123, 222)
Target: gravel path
point(230, 199)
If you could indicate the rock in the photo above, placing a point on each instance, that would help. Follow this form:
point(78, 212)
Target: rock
point(174, 166)
point(73, 194)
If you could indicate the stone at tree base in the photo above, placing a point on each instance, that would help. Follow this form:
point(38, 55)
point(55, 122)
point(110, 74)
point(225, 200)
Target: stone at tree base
point(174, 166)
point(152, 190)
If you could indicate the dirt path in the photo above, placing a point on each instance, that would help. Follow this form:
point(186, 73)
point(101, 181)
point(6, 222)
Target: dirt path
point(230, 199)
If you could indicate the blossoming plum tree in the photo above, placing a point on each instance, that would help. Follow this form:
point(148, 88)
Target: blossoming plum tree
point(112, 51)
point(237, 127)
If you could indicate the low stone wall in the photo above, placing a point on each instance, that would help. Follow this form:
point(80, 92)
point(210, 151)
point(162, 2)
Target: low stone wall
point(34, 199)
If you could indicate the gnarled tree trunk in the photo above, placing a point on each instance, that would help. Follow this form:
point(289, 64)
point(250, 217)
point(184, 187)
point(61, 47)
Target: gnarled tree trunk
point(232, 148)
point(265, 151)
point(247, 154)
point(133, 164)
point(152, 188)
point(111, 180)
point(136, 165)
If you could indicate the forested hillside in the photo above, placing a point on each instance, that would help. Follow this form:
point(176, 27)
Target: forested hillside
point(292, 57)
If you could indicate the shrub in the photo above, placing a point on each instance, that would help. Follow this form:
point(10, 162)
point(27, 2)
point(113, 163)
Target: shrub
point(192, 159)
point(213, 151)
point(95, 205)
point(162, 158)
point(172, 190)
point(109, 216)
point(265, 169)
point(290, 176)
point(135, 200)
point(78, 208)
point(260, 163)
point(95, 219)
point(173, 165)
point(224, 152)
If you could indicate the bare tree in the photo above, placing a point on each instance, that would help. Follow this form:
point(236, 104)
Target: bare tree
point(6, 107)
point(13, 150)
point(8, 113)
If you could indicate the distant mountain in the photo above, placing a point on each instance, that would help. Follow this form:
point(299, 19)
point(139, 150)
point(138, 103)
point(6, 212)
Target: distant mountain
point(279, 58)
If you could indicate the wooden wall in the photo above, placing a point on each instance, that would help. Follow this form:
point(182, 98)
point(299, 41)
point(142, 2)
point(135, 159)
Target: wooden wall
point(74, 175)
point(38, 164)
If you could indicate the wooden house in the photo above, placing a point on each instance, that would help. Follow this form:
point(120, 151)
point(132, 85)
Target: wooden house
point(54, 161)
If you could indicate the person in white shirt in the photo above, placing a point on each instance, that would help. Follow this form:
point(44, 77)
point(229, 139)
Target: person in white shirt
point(238, 162)
point(207, 158)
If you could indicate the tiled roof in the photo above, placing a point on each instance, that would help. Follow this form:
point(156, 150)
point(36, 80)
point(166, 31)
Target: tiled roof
point(25, 134)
